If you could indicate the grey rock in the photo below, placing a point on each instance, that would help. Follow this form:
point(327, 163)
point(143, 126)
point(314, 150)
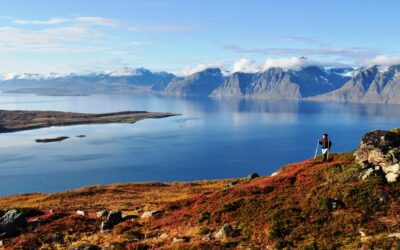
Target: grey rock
point(233, 183)
point(163, 236)
point(367, 173)
point(177, 240)
point(81, 212)
point(394, 235)
point(207, 238)
point(115, 217)
point(153, 213)
point(225, 231)
point(252, 176)
point(11, 222)
point(180, 239)
point(106, 226)
point(102, 213)
point(379, 153)
point(392, 177)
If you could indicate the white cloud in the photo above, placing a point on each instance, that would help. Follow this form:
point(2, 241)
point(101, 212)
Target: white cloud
point(384, 60)
point(346, 53)
point(88, 20)
point(101, 21)
point(9, 75)
point(51, 21)
point(62, 39)
point(200, 67)
point(248, 65)
point(288, 63)
point(245, 65)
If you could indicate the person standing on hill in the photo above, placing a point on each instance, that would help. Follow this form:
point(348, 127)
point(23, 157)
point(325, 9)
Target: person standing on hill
point(326, 144)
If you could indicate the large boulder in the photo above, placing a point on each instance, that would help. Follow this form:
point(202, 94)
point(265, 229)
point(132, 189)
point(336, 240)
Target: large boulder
point(224, 232)
point(115, 217)
point(379, 152)
point(152, 214)
point(11, 222)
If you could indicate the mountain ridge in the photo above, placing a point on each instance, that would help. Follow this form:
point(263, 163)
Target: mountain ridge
point(311, 83)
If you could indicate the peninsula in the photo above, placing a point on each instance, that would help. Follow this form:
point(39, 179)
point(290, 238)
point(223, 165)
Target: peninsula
point(18, 120)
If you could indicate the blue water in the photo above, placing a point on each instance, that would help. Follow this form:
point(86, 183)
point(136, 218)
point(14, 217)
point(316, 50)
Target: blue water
point(211, 139)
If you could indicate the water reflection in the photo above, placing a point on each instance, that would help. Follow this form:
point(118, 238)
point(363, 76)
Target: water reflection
point(213, 138)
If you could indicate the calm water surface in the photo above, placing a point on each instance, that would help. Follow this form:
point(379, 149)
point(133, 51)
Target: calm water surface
point(212, 139)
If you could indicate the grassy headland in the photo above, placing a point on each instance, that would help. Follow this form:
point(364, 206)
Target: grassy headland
point(17, 120)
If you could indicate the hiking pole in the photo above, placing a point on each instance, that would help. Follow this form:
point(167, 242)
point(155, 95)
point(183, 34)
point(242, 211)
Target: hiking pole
point(316, 149)
point(327, 158)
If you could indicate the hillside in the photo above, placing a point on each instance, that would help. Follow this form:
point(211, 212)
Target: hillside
point(350, 202)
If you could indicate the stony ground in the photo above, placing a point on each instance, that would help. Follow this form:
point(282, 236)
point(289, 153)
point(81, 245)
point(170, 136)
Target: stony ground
point(306, 205)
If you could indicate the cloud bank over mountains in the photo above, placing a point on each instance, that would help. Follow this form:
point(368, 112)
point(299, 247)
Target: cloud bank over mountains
point(248, 65)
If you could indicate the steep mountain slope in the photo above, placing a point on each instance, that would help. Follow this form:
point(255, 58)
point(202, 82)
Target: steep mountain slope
point(315, 80)
point(236, 85)
point(370, 85)
point(200, 84)
point(275, 83)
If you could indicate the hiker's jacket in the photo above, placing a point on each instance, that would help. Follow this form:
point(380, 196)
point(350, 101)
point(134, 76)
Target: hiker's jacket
point(326, 143)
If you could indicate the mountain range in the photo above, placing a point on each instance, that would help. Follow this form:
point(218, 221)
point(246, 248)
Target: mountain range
point(375, 84)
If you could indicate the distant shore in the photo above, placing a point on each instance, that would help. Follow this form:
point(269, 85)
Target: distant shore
point(18, 120)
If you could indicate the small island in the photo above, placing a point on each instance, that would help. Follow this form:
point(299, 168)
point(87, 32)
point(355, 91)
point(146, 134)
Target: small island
point(18, 120)
point(47, 140)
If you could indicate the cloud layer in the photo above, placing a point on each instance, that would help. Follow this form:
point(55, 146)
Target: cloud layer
point(384, 60)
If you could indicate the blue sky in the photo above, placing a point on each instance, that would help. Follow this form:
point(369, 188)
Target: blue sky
point(186, 36)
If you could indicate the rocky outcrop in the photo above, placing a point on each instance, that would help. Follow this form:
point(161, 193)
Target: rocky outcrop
point(379, 154)
point(224, 232)
point(11, 223)
point(113, 218)
point(252, 176)
point(102, 213)
point(153, 213)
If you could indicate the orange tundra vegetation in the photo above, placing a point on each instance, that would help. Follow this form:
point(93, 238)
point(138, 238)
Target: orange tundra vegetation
point(306, 205)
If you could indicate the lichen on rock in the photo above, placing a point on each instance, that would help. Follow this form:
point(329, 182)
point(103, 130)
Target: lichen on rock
point(379, 153)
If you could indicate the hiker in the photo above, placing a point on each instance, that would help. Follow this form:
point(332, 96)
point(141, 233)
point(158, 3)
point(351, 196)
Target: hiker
point(326, 145)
